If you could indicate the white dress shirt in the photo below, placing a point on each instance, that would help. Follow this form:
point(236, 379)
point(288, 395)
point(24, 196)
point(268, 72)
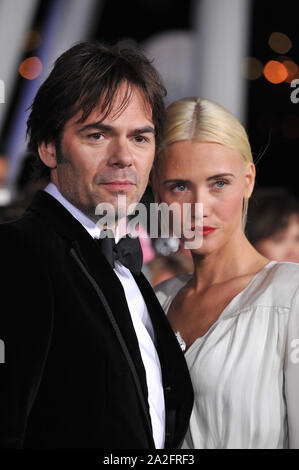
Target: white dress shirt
point(142, 325)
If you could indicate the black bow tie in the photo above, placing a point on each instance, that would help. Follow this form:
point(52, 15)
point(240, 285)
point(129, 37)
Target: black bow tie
point(127, 251)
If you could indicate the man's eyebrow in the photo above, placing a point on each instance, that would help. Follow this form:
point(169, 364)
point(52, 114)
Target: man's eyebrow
point(144, 130)
point(105, 127)
point(95, 125)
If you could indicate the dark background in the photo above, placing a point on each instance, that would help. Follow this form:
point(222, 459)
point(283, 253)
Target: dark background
point(272, 119)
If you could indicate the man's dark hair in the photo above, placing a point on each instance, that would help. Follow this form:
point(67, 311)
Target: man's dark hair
point(269, 211)
point(82, 76)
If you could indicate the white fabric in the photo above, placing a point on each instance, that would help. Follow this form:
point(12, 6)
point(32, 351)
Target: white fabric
point(245, 369)
point(142, 325)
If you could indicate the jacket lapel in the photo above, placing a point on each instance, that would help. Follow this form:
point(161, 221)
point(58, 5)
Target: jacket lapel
point(112, 288)
point(177, 384)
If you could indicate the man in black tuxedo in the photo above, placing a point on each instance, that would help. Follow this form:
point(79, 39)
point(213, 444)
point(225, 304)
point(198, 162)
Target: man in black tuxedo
point(90, 359)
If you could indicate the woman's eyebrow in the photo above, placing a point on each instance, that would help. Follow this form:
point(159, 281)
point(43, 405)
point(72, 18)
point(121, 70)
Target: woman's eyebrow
point(175, 180)
point(220, 175)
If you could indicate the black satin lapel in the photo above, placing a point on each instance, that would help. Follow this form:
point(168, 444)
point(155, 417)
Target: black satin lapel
point(102, 272)
point(176, 379)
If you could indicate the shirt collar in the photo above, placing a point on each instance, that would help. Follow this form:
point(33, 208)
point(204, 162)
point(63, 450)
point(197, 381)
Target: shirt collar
point(87, 223)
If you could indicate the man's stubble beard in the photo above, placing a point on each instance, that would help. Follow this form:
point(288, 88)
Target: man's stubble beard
point(117, 214)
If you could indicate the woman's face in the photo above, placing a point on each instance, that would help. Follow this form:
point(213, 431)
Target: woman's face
point(284, 244)
point(210, 174)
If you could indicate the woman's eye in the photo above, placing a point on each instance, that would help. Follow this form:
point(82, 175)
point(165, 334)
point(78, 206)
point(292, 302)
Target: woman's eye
point(220, 184)
point(178, 187)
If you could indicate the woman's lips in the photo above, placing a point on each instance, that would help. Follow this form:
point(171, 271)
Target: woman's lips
point(204, 230)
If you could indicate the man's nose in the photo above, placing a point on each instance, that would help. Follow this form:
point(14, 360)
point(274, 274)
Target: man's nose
point(120, 154)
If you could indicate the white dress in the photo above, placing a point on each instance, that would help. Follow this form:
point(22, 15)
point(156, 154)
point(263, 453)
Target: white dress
point(245, 369)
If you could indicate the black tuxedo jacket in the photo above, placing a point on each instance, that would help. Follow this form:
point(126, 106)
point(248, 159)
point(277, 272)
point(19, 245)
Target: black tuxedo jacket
point(73, 376)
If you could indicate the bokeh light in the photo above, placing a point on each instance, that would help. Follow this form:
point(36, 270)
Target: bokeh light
point(280, 42)
point(32, 40)
point(275, 72)
point(292, 68)
point(31, 68)
point(252, 68)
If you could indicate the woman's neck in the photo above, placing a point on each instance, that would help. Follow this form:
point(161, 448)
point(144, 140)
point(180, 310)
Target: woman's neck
point(238, 258)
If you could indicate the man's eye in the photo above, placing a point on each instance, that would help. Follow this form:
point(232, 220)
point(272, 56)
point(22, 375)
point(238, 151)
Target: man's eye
point(140, 139)
point(95, 136)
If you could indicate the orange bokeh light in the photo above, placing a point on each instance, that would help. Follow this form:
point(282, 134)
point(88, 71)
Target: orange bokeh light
point(275, 72)
point(31, 68)
point(293, 70)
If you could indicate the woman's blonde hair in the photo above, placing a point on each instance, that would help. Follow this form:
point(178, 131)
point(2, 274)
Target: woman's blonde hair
point(203, 120)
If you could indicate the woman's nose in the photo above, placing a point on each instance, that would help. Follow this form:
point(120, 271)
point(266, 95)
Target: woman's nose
point(202, 200)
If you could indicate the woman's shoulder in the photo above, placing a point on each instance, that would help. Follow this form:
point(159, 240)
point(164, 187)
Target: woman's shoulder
point(286, 277)
point(284, 272)
point(167, 290)
point(275, 285)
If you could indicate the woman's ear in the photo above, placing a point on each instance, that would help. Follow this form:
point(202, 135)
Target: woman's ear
point(250, 179)
point(47, 153)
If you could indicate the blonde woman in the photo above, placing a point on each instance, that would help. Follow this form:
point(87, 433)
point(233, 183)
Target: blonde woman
point(237, 315)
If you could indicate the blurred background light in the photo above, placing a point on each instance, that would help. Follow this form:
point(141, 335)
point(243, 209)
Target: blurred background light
point(280, 42)
point(275, 72)
point(292, 68)
point(252, 68)
point(32, 40)
point(31, 68)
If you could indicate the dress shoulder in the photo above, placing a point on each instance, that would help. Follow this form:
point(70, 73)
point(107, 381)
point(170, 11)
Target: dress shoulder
point(284, 281)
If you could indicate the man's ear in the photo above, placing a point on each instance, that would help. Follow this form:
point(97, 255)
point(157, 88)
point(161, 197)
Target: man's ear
point(47, 153)
point(250, 179)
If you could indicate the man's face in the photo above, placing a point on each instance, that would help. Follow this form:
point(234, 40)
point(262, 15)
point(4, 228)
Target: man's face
point(101, 160)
